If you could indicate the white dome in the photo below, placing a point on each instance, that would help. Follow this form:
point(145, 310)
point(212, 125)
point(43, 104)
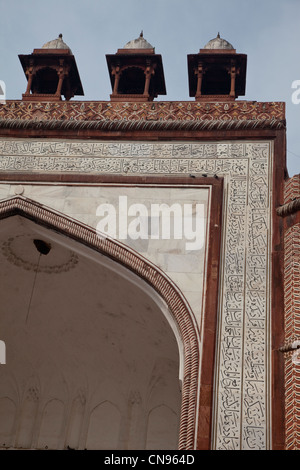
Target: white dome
point(56, 44)
point(218, 43)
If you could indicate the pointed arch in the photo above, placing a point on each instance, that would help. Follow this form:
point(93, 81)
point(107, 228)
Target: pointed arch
point(148, 272)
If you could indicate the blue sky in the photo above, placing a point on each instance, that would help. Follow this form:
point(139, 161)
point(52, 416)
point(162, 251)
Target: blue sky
point(268, 31)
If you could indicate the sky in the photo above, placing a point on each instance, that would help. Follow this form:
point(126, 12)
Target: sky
point(268, 31)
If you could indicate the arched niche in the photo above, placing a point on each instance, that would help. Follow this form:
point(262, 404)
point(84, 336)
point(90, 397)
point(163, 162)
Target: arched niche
point(104, 427)
point(162, 428)
point(50, 432)
point(7, 419)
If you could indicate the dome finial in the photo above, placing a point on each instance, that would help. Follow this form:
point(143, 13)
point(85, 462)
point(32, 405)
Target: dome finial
point(218, 35)
point(60, 35)
point(139, 43)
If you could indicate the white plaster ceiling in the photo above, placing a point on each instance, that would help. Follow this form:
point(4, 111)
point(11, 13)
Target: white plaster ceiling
point(80, 324)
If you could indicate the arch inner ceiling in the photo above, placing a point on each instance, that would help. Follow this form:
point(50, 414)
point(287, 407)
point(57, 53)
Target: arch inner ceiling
point(91, 358)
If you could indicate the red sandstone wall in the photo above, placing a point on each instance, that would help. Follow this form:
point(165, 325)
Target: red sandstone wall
point(292, 315)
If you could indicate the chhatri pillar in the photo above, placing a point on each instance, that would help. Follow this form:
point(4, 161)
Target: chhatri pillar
point(217, 72)
point(136, 72)
point(51, 73)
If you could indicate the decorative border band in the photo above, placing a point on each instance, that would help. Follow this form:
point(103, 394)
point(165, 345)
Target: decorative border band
point(143, 125)
point(135, 111)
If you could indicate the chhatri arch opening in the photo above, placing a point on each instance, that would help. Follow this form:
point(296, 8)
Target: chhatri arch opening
point(102, 348)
